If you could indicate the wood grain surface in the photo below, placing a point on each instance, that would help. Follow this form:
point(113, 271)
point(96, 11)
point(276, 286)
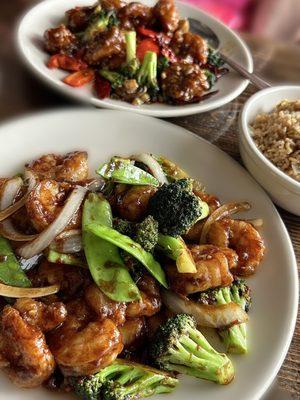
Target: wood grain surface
point(21, 93)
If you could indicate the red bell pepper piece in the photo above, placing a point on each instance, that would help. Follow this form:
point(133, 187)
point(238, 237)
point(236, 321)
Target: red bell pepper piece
point(66, 62)
point(144, 46)
point(80, 78)
point(103, 87)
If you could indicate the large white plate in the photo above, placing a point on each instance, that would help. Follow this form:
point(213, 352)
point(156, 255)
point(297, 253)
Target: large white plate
point(104, 133)
point(50, 13)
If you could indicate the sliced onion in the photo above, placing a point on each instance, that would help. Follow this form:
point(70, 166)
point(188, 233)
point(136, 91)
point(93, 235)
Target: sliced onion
point(18, 292)
point(95, 185)
point(44, 239)
point(221, 316)
point(154, 167)
point(9, 192)
point(11, 209)
point(68, 242)
point(222, 212)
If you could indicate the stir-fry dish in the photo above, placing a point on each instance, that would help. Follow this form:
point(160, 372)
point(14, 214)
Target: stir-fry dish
point(107, 282)
point(134, 53)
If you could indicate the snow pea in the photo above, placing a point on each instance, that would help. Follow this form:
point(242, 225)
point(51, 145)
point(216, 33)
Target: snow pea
point(126, 243)
point(11, 272)
point(105, 263)
point(121, 170)
point(62, 258)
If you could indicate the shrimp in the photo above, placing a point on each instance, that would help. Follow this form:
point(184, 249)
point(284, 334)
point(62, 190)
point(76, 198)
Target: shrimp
point(82, 346)
point(45, 317)
point(150, 302)
point(45, 202)
point(167, 13)
point(25, 356)
point(132, 203)
point(103, 306)
point(243, 238)
point(132, 331)
point(72, 167)
point(212, 271)
point(71, 279)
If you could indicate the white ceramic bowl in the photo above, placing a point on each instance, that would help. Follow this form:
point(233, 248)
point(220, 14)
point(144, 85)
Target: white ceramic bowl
point(284, 190)
point(50, 13)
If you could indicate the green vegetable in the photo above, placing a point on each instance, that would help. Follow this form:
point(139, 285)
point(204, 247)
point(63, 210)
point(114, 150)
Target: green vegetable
point(116, 79)
point(179, 346)
point(100, 20)
point(10, 271)
point(235, 337)
point(214, 58)
point(69, 259)
point(123, 380)
point(103, 258)
point(211, 78)
point(144, 233)
point(123, 171)
point(132, 64)
point(176, 208)
point(130, 38)
point(162, 63)
point(126, 243)
point(147, 75)
point(176, 249)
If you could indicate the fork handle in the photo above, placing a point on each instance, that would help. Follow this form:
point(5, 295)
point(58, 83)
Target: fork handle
point(253, 78)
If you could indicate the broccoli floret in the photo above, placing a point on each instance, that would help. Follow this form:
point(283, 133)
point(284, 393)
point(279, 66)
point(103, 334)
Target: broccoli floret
point(99, 21)
point(179, 346)
point(235, 337)
point(123, 226)
point(132, 65)
point(176, 208)
point(116, 80)
point(147, 75)
point(123, 380)
point(214, 58)
point(146, 233)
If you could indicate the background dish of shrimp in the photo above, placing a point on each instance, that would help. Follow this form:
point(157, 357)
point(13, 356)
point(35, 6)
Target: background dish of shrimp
point(50, 13)
point(275, 285)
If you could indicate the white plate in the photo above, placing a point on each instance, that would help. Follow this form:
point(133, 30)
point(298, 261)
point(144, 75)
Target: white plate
point(105, 133)
point(50, 13)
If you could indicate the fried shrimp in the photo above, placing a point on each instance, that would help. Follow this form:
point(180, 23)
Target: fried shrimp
point(243, 238)
point(83, 347)
point(70, 279)
point(150, 302)
point(132, 331)
point(29, 361)
point(45, 202)
point(103, 306)
point(72, 167)
point(212, 271)
point(45, 317)
point(132, 204)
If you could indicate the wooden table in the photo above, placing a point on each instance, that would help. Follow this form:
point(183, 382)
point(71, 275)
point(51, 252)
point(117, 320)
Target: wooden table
point(20, 93)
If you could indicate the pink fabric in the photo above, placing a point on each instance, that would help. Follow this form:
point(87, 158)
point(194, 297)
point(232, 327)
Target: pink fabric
point(231, 12)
